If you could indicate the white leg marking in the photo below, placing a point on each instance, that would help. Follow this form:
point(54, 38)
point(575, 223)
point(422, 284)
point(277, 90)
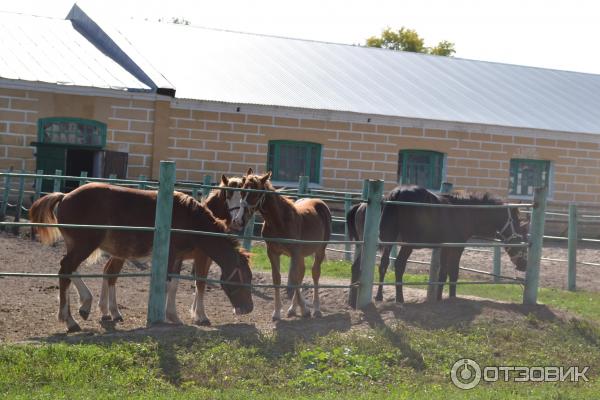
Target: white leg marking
point(112, 303)
point(171, 305)
point(103, 300)
point(277, 311)
point(291, 312)
point(199, 314)
point(85, 296)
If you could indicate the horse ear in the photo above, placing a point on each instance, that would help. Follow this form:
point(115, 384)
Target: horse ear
point(265, 177)
point(224, 180)
point(249, 172)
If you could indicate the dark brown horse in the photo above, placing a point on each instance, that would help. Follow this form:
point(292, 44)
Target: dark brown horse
point(406, 223)
point(306, 219)
point(101, 204)
point(222, 203)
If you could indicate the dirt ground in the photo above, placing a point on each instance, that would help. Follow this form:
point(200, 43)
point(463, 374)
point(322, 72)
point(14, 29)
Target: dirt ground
point(28, 306)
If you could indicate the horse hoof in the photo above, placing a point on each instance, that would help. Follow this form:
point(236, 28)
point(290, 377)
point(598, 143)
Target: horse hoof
point(106, 318)
point(202, 322)
point(85, 314)
point(74, 328)
point(306, 314)
point(118, 319)
point(317, 314)
point(291, 313)
point(379, 297)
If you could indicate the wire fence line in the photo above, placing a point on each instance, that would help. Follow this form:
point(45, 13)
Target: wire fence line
point(372, 196)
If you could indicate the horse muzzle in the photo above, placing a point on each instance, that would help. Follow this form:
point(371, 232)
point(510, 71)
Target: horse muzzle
point(245, 309)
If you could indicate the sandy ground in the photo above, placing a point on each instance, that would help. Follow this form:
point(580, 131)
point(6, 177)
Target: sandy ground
point(28, 306)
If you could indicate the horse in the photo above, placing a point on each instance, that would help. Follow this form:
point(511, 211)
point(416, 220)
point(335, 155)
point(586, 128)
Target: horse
point(408, 223)
point(222, 203)
point(305, 219)
point(102, 204)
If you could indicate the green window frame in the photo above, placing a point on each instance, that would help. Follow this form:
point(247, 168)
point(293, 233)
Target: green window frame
point(72, 132)
point(289, 159)
point(421, 167)
point(526, 174)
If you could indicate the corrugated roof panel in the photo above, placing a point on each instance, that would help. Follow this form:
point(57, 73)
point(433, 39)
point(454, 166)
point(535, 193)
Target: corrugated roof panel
point(50, 50)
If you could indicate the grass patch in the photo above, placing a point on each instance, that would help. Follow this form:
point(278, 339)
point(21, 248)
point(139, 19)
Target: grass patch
point(394, 362)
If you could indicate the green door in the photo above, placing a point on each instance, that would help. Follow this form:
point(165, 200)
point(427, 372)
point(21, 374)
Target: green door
point(49, 159)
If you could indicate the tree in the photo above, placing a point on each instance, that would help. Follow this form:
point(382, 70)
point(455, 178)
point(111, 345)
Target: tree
point(408, 40)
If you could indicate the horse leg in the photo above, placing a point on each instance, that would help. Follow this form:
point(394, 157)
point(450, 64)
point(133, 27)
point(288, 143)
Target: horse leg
point(274, 258)
point(353, 293)
point(85, 297)
point(453, 264)
point(443, 272)
point(113, 267)
point(399, 268)
point(201, 267)
point(172, 284)
point(383, 266)
point(298, 299)
point(316, 275)
point(68, 265)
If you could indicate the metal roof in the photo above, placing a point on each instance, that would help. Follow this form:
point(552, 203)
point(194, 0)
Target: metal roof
point(41, 49)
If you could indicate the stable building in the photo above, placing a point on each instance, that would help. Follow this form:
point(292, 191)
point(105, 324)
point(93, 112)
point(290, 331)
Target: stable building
point(121, 98)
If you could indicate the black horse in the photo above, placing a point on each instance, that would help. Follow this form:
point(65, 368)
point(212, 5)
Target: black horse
point(418, 224)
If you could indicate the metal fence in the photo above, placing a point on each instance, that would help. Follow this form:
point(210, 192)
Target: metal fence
point(372, 195)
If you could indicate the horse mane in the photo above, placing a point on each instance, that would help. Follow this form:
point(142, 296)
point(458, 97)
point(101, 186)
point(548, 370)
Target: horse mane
point(216, 225)
point(475, 198)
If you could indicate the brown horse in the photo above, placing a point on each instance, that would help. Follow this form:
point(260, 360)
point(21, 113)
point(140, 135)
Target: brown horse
point(101, 204)
point(306, 219)
point(222, 203)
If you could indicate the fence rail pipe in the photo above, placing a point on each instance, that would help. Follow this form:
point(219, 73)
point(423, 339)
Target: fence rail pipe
point(532, 275)
point(572, 248)
point(160, 247)
point(57, 181)
point(83, 176)
point(371, 234)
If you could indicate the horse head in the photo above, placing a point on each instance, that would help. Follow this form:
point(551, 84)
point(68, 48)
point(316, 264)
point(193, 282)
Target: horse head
point(251, 201)
point(232, 197)
point(514, 231)
point(236, 284)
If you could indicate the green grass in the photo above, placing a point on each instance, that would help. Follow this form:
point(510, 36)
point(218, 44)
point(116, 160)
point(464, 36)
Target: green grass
point(582, 303)
point(406, 359)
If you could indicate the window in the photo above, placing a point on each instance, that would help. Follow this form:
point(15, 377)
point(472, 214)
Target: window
point(525, 175)
point(72, 131)
point(289, 160)
point(421, 167)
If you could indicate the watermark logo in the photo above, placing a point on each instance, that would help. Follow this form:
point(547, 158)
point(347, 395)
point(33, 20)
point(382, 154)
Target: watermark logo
point(467, 373)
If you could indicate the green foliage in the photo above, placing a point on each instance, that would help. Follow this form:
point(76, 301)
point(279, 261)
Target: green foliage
point(408, 40)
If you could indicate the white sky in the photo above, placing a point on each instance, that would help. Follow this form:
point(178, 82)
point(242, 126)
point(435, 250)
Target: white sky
point(559, 34)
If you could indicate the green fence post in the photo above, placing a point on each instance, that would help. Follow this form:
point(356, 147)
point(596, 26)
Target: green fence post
point(5, 195)
point(82, 175)
point(371, 238)
point(365, 189)
point(249, 231)
point(434, 265)
point(207, 181)
point(142, 185)
point(303, 184)
point(572, 236)
point(532, 276)
point(19, 206)
point(347, 246)
point(112, 179)
point(497, 266)
point(57, 181)
point(38, 184)
point(160, 246)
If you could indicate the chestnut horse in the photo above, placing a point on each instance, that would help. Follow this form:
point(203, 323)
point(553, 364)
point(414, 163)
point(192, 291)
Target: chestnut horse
point(306, 219)
point(101, 204)
point(416, 224)
point(222, 203)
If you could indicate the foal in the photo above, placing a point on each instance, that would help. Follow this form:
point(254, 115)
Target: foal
point(101, 204)
point(222, 203)
point(306, 219)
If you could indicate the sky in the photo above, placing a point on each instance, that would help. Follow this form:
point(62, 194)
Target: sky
point(557, 34)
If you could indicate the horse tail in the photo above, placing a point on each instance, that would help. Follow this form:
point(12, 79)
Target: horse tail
point(42, 211)
point(351, 222)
